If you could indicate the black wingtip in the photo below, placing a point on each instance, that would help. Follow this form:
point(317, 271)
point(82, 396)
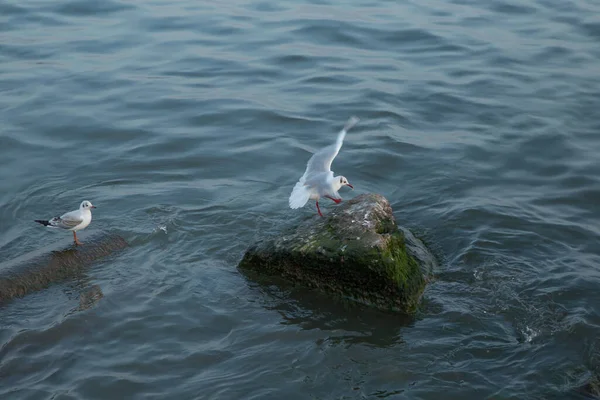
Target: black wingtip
point(39, 221)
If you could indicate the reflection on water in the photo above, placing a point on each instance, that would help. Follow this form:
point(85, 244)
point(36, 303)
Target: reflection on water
point(309, 310)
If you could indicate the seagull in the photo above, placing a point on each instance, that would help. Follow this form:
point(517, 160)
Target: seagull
point(73, 220)
point(318, 180)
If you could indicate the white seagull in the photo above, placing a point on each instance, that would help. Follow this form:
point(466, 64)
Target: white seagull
point(72, 221)
point(318, 180)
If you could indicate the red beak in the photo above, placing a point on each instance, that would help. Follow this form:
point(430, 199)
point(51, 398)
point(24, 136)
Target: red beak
point(93, 206)
point(352, 187)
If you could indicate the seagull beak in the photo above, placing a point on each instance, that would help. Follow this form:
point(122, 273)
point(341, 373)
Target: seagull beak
point(93, 206)
point(351, 187)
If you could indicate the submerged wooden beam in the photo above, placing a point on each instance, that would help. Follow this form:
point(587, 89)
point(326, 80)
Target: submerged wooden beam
point(39, 269)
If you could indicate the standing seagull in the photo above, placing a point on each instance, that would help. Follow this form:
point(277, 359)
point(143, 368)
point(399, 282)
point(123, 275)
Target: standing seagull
point(72, 221)
point(318, 180)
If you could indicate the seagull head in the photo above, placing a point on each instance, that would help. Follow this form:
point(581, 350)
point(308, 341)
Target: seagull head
point(342, 181)
point(86, 205)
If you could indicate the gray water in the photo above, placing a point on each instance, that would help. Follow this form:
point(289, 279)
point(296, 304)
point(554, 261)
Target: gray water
point(187, 123)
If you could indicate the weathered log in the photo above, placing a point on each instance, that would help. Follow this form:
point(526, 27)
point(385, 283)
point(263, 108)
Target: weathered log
point(39, 269)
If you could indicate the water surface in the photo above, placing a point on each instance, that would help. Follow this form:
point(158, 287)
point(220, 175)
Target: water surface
point(187, 123)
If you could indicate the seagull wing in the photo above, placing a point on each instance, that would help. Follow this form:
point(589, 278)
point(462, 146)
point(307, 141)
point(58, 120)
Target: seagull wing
point(322, 159)
point(67, 221)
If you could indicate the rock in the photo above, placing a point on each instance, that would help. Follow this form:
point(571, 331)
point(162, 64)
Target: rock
point(356, 251)
point(41, 268)
point(592, 388)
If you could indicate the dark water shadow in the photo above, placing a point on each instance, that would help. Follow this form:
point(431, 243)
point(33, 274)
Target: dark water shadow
point(311, 309)
point(88, 298)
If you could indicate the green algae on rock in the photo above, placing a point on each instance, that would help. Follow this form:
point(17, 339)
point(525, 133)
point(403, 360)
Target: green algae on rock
point(591, 389)
point(357, 251)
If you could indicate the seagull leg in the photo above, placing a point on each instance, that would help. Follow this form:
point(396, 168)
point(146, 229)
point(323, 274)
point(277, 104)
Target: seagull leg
point(77, 242)
point(318, 209)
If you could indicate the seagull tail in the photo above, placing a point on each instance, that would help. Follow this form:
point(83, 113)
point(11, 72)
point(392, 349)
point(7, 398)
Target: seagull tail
point(300, 195)
point(43, 222)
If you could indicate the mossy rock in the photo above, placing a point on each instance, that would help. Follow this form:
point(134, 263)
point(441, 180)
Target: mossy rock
point(357, 251)
point(592, 388)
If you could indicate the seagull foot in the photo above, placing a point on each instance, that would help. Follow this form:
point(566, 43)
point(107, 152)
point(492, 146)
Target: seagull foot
point(336, 201)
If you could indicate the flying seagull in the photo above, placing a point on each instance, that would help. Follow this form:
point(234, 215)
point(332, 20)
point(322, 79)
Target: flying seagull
point(318, 180)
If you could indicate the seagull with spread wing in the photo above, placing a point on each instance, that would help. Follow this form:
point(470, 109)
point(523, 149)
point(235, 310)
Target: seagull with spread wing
point(318, 180)
point(72, 221)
